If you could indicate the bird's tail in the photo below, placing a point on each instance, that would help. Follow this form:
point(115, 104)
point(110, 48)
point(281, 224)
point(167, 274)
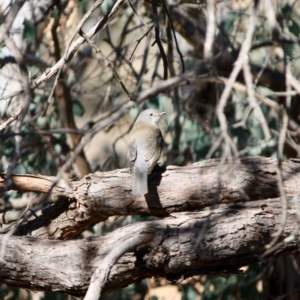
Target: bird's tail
point(140, 176)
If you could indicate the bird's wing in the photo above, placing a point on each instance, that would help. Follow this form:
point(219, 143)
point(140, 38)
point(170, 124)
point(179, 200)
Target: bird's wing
point(140, 165)
point(152, 148)
point(132, 153)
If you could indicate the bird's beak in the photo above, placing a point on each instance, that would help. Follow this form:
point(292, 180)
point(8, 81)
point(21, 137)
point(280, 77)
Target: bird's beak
point(162, 113)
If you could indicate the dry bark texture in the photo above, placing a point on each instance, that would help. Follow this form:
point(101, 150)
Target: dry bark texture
point(218, 240)
point(215, 242)
point(97, 196)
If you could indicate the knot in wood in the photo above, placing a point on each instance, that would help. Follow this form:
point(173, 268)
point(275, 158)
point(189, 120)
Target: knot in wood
point(157, 258)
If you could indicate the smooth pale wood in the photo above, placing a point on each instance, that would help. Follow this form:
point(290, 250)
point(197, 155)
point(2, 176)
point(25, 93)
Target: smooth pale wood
point(93, 199)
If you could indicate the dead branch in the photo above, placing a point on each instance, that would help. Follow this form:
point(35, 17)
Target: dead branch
point(93, 199)
point(176, 250)
point(100, 276)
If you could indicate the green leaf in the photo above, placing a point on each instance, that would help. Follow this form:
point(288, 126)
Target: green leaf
point(55, 13)
point(294, 28)
point(106, 6)
point(154, 101)
point(78, 109)
point(29, 31)
point(286, 9)
point(41, 121)
point(9, 149)
point(288, 49)
point(228, 23)
point(19, 169)
point(83, 6)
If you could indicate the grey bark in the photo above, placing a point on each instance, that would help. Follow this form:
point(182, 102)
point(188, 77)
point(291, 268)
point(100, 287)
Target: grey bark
point(216, 220)
point(215, 242)
point(98, 196)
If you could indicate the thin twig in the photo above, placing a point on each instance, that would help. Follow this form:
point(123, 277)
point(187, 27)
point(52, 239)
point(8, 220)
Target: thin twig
point(158, 40)
point(295, 83)
point(44, 132)
point(136, 12)
point(210, 30)
point(75, 45)
point(232, 78)
point(241, 87)
point(164, 5)
point(101, 56)
point(25, 81)
point(9, 19)
point(253, 103)
point(281, 142)
point(81, 23)
point(66, 54)
point(139, 40)
point(13, 117)
point(12, 95)
point(288, 74)
point(282, 94)
point(12, 231)
point(50, 98)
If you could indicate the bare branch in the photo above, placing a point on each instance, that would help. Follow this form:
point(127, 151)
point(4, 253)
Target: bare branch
point(232, 78)
point(170, 251)
point(93, 199)
point(253, 103)
point(158, 40)
point(14, 117)
point(210, 30)
point(100, 57)
point(100, 276)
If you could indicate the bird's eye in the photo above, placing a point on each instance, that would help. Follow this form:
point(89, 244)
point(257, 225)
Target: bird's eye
point(151, 114)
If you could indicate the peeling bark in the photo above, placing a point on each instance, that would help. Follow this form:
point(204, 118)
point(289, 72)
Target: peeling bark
point(216, 242)
point(98, 196)
point(232, 231)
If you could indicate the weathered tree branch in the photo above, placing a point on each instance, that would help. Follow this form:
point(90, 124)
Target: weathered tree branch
point(216, 242)
point(98, 196)
point(100, 276)
point(194, 30)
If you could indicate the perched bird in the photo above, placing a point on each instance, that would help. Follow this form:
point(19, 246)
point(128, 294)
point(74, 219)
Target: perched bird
point(145, 146)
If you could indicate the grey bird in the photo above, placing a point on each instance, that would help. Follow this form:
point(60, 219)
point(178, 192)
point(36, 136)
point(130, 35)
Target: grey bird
point(145, 146)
